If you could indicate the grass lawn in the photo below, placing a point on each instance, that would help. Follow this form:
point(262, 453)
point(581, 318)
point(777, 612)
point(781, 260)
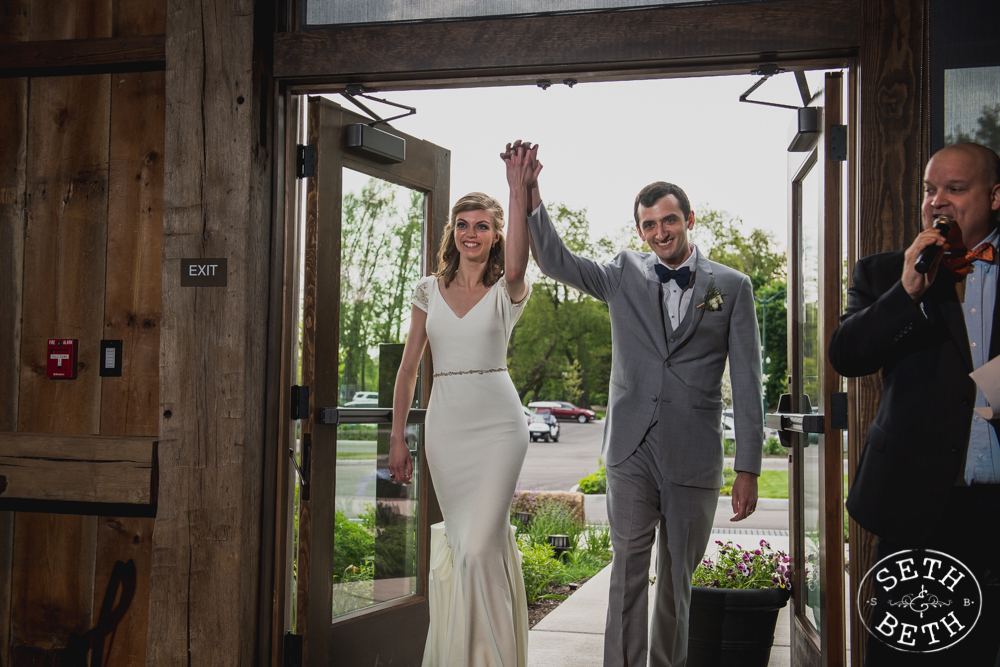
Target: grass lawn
point(770, 484)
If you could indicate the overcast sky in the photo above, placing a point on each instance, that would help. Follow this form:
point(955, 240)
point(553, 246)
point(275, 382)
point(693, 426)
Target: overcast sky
point(602, 142)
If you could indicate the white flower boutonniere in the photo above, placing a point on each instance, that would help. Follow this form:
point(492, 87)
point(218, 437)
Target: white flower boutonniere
point(713, 300)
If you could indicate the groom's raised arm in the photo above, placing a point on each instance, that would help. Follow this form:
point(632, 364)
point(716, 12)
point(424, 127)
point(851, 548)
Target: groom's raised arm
point(600, 281)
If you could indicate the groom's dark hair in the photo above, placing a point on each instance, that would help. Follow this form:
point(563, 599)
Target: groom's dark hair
point(654, 192)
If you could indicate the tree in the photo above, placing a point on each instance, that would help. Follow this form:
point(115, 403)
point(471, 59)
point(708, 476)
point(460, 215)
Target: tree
point(561, 348)
point(756, 255)
point(380, 265)
point(988, 133)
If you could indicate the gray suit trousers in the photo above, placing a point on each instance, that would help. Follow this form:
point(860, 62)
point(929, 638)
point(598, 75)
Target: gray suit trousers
point(640, 500)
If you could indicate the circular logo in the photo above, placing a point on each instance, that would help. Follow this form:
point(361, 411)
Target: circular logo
point(922, 601)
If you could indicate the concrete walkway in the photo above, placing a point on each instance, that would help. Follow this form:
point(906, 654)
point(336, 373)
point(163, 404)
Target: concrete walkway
point(573, 634)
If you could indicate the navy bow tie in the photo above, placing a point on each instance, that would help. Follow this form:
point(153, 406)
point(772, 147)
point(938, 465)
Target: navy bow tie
point(681, 276)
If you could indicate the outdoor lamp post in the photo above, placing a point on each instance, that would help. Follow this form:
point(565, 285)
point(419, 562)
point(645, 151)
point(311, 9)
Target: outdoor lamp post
point(763, 337)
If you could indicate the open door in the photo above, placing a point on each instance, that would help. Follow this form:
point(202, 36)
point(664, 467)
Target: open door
point(811, 417)
point(375, 205)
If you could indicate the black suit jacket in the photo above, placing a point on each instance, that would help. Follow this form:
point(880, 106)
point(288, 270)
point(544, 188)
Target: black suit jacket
point(916, 447)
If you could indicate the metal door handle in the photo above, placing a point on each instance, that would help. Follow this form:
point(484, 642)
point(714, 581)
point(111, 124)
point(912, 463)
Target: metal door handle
point(333, 416)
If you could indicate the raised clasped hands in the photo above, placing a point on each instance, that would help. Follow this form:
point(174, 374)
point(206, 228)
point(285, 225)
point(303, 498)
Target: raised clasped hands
point(523, 167)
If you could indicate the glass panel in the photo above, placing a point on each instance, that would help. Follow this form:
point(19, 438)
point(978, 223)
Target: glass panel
point(812, 364)
point(375, 533)
point(972, 106)
point(332, 12)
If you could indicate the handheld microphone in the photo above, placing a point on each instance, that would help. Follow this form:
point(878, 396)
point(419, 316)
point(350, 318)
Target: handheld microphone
point(943, 224)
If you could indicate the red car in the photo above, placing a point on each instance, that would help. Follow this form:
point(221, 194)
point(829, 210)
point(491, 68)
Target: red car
point(564, 410)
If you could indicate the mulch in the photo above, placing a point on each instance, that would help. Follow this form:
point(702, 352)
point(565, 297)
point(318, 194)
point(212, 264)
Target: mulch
point(541, 608)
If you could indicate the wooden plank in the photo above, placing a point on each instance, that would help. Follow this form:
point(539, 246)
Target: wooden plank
point(53, 587)
point(6, 570)
point(148, 50)
point(121, 591)
point(130, 403)
point(13, 162)
point(14, 24)
point(77, 468)
point(890, 168)
point(139, 17)
point(694, 35)
point(70, 19)
point(217, 189)
point(64, 249)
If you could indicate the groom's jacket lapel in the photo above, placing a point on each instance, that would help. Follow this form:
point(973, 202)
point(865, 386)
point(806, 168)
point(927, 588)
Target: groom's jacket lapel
point(656, 301)
point(704, 279)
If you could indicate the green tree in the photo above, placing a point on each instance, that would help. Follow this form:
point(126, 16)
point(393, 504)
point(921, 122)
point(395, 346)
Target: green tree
point(988, 132)
point(380, 264)
point(561, 348)
point(725, 241)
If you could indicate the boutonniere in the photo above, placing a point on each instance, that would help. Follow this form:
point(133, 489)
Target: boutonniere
point(713, 300)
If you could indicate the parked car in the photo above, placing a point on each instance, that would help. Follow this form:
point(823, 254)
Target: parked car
point(728, 425)
point(543, 426)
point(564, 410)
point(363, 399)
point(527, 414)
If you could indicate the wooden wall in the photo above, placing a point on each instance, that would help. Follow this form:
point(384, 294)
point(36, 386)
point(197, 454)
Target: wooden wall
point(892, 146)
point(81, 180)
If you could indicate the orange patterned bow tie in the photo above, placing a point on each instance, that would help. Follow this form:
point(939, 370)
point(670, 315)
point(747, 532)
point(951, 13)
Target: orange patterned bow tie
point(960, 264)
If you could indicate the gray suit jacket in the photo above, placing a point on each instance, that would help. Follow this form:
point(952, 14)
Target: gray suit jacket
point(672, 378)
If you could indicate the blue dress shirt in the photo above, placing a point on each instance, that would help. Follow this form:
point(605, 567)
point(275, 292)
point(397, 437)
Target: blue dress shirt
point(982, 465)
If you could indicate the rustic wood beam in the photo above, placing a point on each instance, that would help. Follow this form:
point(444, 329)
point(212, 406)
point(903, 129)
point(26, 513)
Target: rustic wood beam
point(78, 468)
point(571, 43)
point(82, 56)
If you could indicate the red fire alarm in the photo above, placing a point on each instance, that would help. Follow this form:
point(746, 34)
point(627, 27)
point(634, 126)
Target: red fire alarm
point(61, 359)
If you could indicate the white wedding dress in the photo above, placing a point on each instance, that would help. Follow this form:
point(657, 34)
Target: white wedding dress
point(476, 439)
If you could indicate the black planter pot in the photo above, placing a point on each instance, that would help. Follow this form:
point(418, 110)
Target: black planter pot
point(733, 627)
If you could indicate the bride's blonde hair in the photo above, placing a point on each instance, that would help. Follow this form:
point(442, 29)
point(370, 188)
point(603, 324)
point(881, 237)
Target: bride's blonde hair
point(448, 255)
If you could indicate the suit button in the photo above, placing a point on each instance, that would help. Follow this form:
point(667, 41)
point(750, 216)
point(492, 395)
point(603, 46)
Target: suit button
point(965, 402)
point(654, 398)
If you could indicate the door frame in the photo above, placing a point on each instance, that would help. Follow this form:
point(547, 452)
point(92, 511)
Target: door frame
point(829, 647)
point(882, 45)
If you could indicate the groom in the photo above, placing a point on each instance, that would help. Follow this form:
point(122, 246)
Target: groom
point(675, 318)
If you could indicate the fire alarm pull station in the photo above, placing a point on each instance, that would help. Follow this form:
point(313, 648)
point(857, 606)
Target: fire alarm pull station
point(61, 359)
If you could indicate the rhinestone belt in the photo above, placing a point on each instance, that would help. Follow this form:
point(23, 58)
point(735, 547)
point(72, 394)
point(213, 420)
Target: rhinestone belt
point(487, 370)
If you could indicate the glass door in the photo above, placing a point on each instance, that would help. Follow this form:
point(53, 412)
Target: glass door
point(375, 202)
point(810, 418)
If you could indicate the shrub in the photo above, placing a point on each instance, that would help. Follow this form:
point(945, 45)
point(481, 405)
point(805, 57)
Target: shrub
point(554, 519)
point(353, 548)
point(538, 567)
point(595, 482)
point(728, 446)
point(599, 542)
point(773, 447)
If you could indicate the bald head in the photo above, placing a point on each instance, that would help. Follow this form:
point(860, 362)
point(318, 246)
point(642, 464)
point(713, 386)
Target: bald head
point(988, 160)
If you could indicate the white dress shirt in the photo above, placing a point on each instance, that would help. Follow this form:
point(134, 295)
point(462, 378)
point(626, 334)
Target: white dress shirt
point(675, 299)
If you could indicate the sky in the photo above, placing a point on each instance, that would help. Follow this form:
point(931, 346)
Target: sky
point(600, 143)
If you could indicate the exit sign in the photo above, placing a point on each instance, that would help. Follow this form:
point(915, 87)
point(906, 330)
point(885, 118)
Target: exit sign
point(203, 272)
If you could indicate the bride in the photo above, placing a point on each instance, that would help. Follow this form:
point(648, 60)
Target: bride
point(476, 436)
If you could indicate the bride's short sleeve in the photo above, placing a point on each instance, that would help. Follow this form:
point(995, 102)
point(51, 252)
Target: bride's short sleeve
point(422, 293)
point(512, 310)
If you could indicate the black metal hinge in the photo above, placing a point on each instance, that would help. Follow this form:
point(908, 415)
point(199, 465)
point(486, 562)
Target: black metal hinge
point(300, 402)
point(305, 161)
point(838, 143)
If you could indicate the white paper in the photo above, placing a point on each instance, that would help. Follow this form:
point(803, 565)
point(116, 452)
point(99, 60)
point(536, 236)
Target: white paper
point(987, 377)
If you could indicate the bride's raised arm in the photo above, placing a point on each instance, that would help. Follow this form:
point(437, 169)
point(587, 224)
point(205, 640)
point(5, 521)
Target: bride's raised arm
point(521, 160)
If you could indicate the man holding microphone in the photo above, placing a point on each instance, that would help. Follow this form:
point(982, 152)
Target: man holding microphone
point(929, 474)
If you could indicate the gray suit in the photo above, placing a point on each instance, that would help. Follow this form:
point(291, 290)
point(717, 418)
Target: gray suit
point(663, 435)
